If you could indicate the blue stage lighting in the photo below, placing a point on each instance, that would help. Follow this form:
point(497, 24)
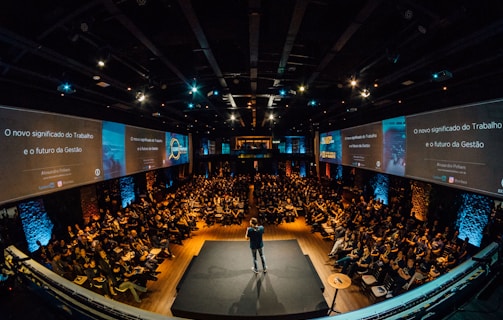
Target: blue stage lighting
point(66, 88)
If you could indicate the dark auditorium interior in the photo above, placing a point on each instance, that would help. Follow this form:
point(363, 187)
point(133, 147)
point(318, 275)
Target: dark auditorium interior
point(137, 136)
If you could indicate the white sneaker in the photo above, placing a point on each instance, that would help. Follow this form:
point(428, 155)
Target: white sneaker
point(254, 270)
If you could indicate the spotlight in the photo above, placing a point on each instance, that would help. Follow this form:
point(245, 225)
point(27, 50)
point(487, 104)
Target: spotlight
point(365, 93)
point(408, 14)
point(66, 88)
point(441, 75)
point(84, 27)
point(140, 96)
point(101, 63)
point(282, 92)
point(213, 93)
point(312, 103)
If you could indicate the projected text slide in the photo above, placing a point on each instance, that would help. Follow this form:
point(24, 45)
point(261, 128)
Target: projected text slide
point(460, 147)
point(145, 149)
point(362, 146)
point(42, 152)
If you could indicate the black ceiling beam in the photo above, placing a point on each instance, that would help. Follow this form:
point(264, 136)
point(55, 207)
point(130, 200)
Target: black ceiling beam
point(361, 17)
point(191, 17)
point(58, 24)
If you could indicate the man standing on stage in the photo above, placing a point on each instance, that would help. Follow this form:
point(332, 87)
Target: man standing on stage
point(254, 234)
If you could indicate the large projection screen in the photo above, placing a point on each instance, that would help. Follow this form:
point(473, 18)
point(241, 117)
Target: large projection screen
point(460, 147)
point(331, 147)
point(44, 152)
point(362, 146)
point(145, 149)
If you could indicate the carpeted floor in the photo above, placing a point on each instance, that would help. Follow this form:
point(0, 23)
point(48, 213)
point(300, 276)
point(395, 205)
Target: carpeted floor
point(220, 284)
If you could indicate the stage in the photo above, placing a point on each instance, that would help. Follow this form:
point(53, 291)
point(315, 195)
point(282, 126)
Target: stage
point(219, 284)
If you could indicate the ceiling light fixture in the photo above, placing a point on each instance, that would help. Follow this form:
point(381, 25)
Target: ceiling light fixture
point(66, 88)
point(441, 75)
point(140, 96)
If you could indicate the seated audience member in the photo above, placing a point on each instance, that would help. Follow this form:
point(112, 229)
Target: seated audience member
point(122, 281)
point(162, 244)
point(60, 267)
point(341, 235)
point(363, 263)
point(142, 257)
point(290, 211)
point(405, 274)
point(97, 279)
point(350, 258)
point(398, 262)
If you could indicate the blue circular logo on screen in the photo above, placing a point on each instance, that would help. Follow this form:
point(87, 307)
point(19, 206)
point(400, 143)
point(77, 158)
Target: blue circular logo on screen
point(175, 149)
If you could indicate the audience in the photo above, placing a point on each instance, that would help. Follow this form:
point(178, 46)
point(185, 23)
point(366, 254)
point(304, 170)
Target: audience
point(120, 249)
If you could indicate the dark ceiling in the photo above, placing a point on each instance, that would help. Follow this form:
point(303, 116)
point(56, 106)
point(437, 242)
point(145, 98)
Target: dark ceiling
point(241, 54)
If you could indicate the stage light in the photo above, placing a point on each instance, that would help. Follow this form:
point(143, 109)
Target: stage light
point(312, 103)
point(365, 93)
point(66, 88)
point(282, 92)
point(140, 96)
point(213, 93)
point(190, 105)
point(441, 75)
point(353, 82)
point(101, 63)
point(271, 117)
point(302, 88)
